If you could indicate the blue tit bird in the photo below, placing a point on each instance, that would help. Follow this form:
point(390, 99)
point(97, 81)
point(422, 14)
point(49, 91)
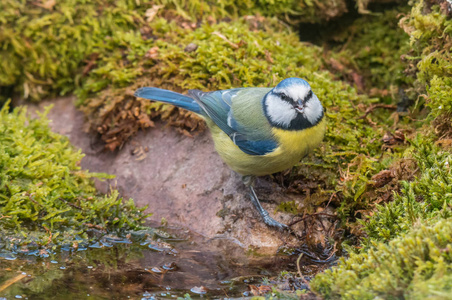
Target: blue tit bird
point(256, 131)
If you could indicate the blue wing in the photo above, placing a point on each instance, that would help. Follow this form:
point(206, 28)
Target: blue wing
point(218, 106)
point(256, 147)
point(253, 139)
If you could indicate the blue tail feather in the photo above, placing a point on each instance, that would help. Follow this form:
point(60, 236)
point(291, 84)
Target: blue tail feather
point(170, 97)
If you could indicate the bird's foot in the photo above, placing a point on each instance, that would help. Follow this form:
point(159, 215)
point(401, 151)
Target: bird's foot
point(264, 214)
point(272, 222)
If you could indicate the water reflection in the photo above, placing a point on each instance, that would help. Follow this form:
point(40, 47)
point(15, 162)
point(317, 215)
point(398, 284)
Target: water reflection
point(167, 266)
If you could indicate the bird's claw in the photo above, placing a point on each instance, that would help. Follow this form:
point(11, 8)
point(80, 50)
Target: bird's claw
point(264, 214)
point(273, 223)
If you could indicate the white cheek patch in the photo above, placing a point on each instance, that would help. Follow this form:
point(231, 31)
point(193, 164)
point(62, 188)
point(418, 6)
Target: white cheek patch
point(313, 110)
point(279, 111)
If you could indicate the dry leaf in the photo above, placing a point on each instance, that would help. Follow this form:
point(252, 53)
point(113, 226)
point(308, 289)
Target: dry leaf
point(49, 4)
point(152, 12)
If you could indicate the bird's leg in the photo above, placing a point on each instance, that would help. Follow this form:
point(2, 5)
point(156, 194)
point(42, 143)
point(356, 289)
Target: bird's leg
point(249, 181)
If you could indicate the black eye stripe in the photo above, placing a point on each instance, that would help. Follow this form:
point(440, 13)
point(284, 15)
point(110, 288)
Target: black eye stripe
point(291, 101)
point(285, 97)
point(308, 97)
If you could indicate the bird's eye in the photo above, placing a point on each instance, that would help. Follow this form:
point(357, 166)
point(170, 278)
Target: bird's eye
point(308, 96)
point(285, 97)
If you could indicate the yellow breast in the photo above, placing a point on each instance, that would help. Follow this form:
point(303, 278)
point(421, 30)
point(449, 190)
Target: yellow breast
point(293, 146)
point(299, 142)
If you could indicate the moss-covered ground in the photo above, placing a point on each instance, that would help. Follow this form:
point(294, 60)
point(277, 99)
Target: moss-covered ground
point(406, 250)
point(385, 81)
point(46, 199)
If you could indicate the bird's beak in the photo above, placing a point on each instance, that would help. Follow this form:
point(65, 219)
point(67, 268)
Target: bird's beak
point(299, 107)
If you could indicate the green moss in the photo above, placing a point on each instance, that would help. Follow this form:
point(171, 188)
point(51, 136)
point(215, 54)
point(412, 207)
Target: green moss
point(414, 266)
point(406, 252)
point(429, 59)
point(55, 45)
point(289, 207)
point(423, 200)
point(59, 44)
point(45, 197)
point(405, 265)
point(231, 54)
point(369, 54)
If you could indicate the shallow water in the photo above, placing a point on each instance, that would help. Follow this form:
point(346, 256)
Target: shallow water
point(165, 269)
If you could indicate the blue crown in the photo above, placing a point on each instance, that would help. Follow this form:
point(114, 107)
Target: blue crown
point(288, 82)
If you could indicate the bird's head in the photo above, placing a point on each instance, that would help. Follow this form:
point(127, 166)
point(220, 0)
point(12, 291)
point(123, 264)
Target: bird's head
point(292, 105)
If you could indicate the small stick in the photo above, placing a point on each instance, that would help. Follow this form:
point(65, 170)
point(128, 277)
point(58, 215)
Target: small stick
point(233, 45)
point(299, 271)
point(373, 107)
point(12, 281)
point(331, 198)
point(312, 215)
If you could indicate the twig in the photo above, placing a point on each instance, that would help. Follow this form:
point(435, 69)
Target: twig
point(98, 227)
point(312, 215)
point(299, 271)
point(12, 281)
point(241, 278)
point(331, 198)
point(332, 253)
point(225, 293)
point(33, 200)
point(224, 38)
point(70, 204)
point(373, 107)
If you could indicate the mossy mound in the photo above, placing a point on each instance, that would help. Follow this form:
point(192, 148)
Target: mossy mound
point(46, 200)
point(423, 200)
point(408, 242)
point(406, 252)
point(430, 26)
point(415, 266)
point(58, 44)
